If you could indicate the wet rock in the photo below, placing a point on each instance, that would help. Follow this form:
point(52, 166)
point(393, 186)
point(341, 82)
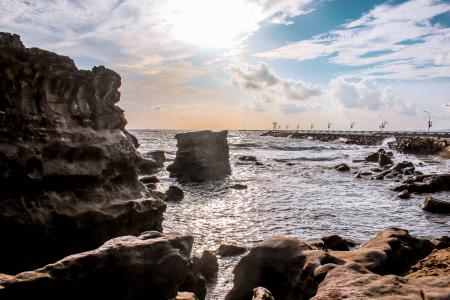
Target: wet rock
point(441, 243)
point(67, 164)
point(150, 266)
point(158, 156)
point(399, 167)
point(433, 205)
point(373, 157)
point(147, 166)
point(207, 264)
point(353, 281)
point(390, 154)
point(258, 163)
point(174, 193)
point(239, 186)
point(230, 250)
point(342, 168)
point(404, 195)
point(425, 183)
point(336, 242)
point(149, 179)
point(435, 264)
point(384, 160)
point(261, 293)
point(201, 156)
point(151, 186)
point(377, 170)
point(391, 251)
point(418, 145)
point(248, 158)
point(194, 282)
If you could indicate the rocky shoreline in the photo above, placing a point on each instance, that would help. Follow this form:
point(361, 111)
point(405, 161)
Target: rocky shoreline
point(76, 221)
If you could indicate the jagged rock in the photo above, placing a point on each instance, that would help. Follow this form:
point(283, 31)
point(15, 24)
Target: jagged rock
point(230, 250)
point(435, 264)
point(342, 168)
point(435, 206)
point(238, 186)
point(149, 179)
point(150, 266)
point(174, 193)
point(201, 156)
point(391, 251)
point(207, 264)
point(353, 281)
point(67, 164)
point(384, 160)
point(285, 266)
point(261, 293)
point(336, 242)
point(158, 156)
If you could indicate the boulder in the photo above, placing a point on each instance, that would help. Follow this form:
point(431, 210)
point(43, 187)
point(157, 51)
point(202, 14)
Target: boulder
point(238, 186)
point(336, 242)
point(225, 250)
point(67, 164)
point(433, 205)
point(207, 264)
point(425, 183)
point(149, 179)
point(150, 266)
point(201, 156)
point(353, 281)
point(147, 166)
point(384, 160)
point(342, 168)
point(435, 264)
point(174, 193)
point(158, 156)
point(404, 194)
point(373, 157)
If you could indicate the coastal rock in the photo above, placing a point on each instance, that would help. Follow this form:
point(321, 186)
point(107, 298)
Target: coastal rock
point(174, 193)
point(353, 281)
point(373, 157)
point(336, 242)
point(435, 264)
point(201, 156)
point(404, 195)
point(147, 166)
point(150, 266)
point(247, 158)
point(418, 145)
point(67, 164)
point(342, 168)
point(391, 251)
point(230, 250)
point(158, 156)
point(425, 183)
point(433, 205)
point(384, 160)
point(207, 264)
point(238, 186)
point(261, 293)
point(149, 179)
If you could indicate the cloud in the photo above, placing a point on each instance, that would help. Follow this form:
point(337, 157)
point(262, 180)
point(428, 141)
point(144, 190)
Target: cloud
point(291, 108)
point(367, 94)
point(392, 41)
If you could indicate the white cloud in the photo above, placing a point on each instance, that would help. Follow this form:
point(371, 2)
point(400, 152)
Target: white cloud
point(391, 41)
point(268, 86)
point(367, 94)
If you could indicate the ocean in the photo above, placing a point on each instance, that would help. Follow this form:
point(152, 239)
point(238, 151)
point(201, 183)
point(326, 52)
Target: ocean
point(296, 192)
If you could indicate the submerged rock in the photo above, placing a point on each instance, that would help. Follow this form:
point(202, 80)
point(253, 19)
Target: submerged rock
point(238, 186)
point(158, 156)
point(435, 206)
point(247, 158)
point(342, 168)
point(149, 179)
point(174, 193)
point(67, 164)
point(201, 156)
point(230, 250)
point(150, 266)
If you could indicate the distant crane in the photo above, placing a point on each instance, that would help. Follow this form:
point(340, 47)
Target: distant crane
point(329, 125)
point(429, 121)
point(274, 125)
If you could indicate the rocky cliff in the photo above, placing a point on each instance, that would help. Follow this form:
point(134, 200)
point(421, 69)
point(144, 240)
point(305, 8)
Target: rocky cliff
point(67, 164)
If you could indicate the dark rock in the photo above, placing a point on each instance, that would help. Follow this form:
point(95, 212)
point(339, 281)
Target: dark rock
point(151, 266)
point(404, 194)
point(258, 163)
point(373, 157)
point(381, 150)
point(230, 250)
point(436, 206)
point(384, 160)
point(390, 153)
point(336, 242)
point(419, 145)
point(342, 168)
point(261, 293)
point(435, 264)
point(174, 193)
point(442, 243)
point(194, 282)
point(151, 186)
point(247, 158)
point(238, 186)
point(149, 179)
point(201, 156)
point(425, 183)
point(147, 166)
point(158, 156)
point(207, 264)
point(67, 166)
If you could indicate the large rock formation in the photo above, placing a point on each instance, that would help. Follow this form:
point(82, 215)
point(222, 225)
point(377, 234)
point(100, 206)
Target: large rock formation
point(67, 164)
point(201, 155)
point(150, 266)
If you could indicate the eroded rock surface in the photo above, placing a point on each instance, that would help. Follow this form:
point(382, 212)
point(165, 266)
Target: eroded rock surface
point(67, 164)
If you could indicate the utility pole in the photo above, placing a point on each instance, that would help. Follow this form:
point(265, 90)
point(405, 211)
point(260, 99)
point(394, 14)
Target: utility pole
point(383, 124)
point(352, 124)
point(312, 126)
point(329, 125)
point(274, 125)
point(429, 121)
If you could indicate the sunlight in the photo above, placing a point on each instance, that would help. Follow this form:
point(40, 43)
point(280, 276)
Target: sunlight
point(211, 24)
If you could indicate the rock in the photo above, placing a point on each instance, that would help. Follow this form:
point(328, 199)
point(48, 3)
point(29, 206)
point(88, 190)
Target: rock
point(390, 154)
point(248, 158)
point(342, 168)
point(201, 156)
point(384, 160)
point(238, 186)
point(261, 293)
point(419, 145)
point(399, 167)
point(174, 193)
point(207, 264)
point(157, 156)
point(445, 152)
point(194, 282)
point(441, 243)
point(151, 186)
point(336, 242)
point(186, 296)
point(67, 164)
point(149, 179)
point(230, 250)
point(425, 183)
point(435, 264)
point(258, 163)
point(435, 206)
point(285, 266)
point(373, 157)
point(381, 150)
point(404, 194)
point(353, 281)
point(150, 266)
point(391, 251)
point(147, 166)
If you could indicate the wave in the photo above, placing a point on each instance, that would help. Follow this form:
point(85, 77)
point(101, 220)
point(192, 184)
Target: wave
point(284, 160)
point(303, 148)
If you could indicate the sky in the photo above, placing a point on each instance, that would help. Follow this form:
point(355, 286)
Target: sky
point(235, 64)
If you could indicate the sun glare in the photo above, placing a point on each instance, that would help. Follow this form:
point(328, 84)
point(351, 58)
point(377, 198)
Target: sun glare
point(209, 23)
